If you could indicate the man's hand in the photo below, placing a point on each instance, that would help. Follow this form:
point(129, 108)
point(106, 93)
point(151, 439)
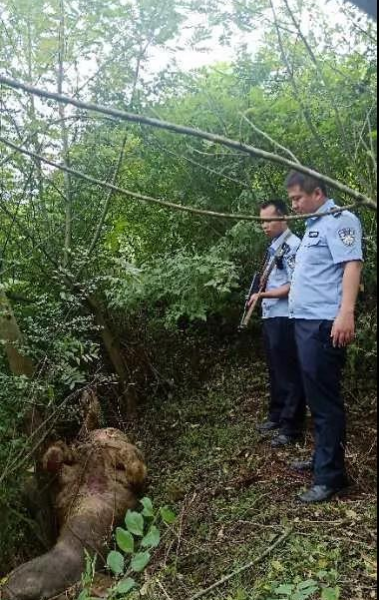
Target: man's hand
point(253, 299)
point(343, 332)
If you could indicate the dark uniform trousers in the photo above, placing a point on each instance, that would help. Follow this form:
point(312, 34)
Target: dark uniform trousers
point(322, 366)
point(287, 405)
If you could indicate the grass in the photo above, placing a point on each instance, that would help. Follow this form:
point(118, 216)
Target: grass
point(234, 496)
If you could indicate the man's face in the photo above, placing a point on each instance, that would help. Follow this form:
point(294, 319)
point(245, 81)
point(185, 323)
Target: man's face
point(304, 203)
point(272, 229)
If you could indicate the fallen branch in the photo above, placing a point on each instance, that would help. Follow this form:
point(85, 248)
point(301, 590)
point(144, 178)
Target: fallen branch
point(165, 593)
point(183, 130)
point(165, 203)
point(224, 580)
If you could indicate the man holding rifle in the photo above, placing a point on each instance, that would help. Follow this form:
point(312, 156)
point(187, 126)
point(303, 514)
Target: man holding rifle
point(287, 405)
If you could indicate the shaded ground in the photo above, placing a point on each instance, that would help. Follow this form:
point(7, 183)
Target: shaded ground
point(234, 496)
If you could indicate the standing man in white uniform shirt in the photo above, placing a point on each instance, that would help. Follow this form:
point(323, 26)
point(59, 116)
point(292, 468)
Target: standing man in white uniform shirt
point(323, 297)
point(287, 408)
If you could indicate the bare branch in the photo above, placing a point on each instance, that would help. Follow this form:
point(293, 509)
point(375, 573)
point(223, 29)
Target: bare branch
point(181, 129)
point(320, 73)
point(297, 92)
point(105, 210)
point(197, 164)
point(171, 205)
point(245, 568)
point(270, 139)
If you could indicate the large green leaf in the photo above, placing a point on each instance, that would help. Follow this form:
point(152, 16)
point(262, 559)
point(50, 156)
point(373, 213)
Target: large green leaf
point(140, 561)
point(116, 562)
point(331, 594)
point(135, 523)
point(152, 539)
point(125, 540)
point(148, 508)
point(125, 586)
point(285, 590)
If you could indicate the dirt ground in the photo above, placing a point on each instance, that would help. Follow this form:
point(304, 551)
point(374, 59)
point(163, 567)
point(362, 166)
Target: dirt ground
point(234, 496)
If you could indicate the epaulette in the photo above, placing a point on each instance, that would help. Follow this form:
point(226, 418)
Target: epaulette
point(338, 215)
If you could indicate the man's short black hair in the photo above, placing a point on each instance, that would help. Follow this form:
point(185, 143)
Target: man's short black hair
point(279, 205)
point(307, 183)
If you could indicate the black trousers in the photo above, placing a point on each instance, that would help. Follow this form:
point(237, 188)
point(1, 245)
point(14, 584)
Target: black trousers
point(287, 404)
point(321, 367)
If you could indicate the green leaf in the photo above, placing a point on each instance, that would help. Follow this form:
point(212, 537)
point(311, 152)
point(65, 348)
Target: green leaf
point(305, 594)
point(285, 590)
point(331, 594)
point(168, 516)
point(116, 562)
point(125, 540)
point(148, 508)
point(152, 539)
point(125, 586)
point(135, 523)
point(140, 561)
point(305, 585)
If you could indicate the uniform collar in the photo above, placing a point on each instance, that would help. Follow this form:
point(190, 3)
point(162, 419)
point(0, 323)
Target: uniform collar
point(276, 243)
point(326, 207)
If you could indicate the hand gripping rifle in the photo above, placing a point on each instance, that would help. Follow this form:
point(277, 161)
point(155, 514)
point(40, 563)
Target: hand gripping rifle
point(259, 284)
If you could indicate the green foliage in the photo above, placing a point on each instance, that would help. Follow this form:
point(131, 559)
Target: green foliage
point(187, 284)
point(87, 578)
point(363, 353)
point(305, 590)
point(135, 545)
point(301, 591)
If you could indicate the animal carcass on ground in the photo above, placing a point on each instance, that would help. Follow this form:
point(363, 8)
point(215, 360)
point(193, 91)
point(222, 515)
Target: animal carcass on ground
point(97, 481)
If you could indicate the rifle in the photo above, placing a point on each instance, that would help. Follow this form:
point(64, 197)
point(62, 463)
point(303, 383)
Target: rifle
point(254, 289)
point(267, 270)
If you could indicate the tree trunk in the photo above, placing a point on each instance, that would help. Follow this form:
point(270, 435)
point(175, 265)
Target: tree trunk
point(112, 346)
point(65, 136)
point(11, 336)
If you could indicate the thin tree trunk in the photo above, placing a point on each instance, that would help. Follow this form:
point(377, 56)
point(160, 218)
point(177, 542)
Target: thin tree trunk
point(65, 137)
point(296, 90)
point(11, 337)
point(33, 119)
point(113, 348)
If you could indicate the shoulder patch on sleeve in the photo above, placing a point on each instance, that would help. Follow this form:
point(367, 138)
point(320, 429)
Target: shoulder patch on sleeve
point(348, 236)
point(291, 261)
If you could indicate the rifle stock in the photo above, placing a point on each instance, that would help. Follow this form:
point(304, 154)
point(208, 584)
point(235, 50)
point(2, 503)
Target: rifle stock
point(254, 288)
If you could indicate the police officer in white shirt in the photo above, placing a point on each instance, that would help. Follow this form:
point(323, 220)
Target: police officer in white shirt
point(323, 296)
point(287, 404)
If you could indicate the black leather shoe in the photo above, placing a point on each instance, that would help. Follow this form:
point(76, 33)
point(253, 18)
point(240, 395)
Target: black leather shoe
point(303, 466)
point(320, 493)
point(268, 426)
point(283, 440)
